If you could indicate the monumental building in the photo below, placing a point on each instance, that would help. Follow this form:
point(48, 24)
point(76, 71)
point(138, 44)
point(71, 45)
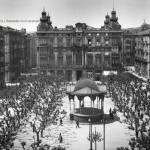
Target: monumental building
point(73, 50)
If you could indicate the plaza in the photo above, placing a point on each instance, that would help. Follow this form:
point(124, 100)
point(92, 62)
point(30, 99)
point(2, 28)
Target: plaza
point(117, 132)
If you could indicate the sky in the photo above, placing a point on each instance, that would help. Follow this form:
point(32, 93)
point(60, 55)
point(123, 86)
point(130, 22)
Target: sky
point(26, 13)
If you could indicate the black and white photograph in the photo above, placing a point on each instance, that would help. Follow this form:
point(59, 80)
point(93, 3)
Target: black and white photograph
point(74, 74)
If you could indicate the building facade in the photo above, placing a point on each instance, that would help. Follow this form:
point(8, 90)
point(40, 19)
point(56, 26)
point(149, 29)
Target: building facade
point(33, 51)
point(142, 53)
point(128, 48)
point(14, 54)
point(2, 59)
point(14, 49)
point(71, 51)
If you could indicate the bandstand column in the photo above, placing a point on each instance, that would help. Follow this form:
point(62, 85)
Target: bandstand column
point(85, 58)
point(91, 102)
point(79, 103)
point(73, 105)
point(83, 101)
point(82, 58)
point(97, 102)
point(101, 103)
point(70, 105)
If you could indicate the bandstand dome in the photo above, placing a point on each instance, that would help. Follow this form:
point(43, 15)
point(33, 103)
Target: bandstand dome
point(87, 87)
point(86, 83)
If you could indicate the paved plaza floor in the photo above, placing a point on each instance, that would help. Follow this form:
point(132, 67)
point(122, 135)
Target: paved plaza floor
point(117, 133)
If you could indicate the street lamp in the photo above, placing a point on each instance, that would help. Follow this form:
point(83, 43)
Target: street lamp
point(97, 137)
point(90, 132)
point(104, 131)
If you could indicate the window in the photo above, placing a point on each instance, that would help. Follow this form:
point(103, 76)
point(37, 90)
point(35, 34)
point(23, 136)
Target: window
point(98, 42)
point(68, 42)
point(51, 41)
point(102, 39)
point(90, 59)
point(43, 51)
point(79, 58)
point(69, 60)
point(68, 75)
point(107, 42)
point(60, 60)
point(51, 60)
point(98, 59)
point(43, 61)
point(60, 41)
point(42, 41)
point(89, 42)
point(97, 34)
point(79, 42)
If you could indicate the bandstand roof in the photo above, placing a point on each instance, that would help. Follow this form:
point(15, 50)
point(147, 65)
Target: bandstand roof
point(87, 87)
point(86, 83)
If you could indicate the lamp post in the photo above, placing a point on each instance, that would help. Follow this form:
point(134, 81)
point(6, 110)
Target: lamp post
point(97, 137)
point(104, 131)
point(90, 132)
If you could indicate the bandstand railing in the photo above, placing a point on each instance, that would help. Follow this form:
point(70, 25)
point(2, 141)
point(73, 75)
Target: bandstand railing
point(88, 111)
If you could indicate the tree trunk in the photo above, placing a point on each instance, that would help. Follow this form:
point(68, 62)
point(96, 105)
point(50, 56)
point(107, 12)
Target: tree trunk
point(41, 132)
point(38, 137)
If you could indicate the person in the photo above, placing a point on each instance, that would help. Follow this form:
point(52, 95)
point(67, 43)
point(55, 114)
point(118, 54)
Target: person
point(77, 124)
point(110, 112)
point(82, 104)
point(60, 138)
point(61, 122)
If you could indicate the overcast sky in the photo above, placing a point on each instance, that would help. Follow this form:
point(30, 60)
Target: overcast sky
point(131, 13)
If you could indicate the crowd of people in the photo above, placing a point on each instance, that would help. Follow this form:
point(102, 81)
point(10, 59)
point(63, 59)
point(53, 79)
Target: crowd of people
point(35, 101)
point(132, 98)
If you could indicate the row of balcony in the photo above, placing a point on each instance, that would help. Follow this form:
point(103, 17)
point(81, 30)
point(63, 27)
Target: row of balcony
point(91, 67)
point(145, 60)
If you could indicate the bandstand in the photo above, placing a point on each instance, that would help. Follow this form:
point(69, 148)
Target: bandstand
point(86, 87)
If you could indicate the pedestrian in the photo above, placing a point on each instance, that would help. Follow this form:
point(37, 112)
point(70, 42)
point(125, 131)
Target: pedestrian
point(110, 112)
point(61, 122)
point(77, 124)
point(60, 138)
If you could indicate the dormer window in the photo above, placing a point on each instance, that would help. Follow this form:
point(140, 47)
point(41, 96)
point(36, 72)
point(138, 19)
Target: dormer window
point(89, 34)
point(97, 34)
point(89, 42)
point(98, 43)
point(106, 42)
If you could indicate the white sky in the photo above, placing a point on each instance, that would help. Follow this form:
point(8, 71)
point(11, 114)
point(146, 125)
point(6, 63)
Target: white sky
point(131, 13)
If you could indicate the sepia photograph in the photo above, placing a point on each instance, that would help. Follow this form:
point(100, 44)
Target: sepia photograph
point(74, 74)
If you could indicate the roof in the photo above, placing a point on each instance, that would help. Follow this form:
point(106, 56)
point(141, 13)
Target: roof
point(83, 83)
point(144, 32)
point(88, 87)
